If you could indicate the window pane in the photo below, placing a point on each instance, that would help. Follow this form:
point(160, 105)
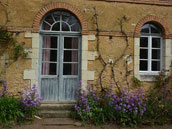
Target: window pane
point(145, 30)
point(155, 54)
point(155, 29)
point(45, 26)
point(76, 27)
point(143, 65)
point(49, 42)
point(56, 27)
point(70, 69)
point(49, 19)
point(156, 42)
point(70, 43)
point(49, 55)
point(71, 56)
point(72, 20)
point(143, 42)
point(49, 68)
point(56, 16)
point(65, 27)
point(143, 53)
point(54, 43)
point(155, 65)
point(65, 17)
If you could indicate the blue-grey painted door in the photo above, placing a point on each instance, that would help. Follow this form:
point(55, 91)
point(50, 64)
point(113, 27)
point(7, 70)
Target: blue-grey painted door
point(59, 67)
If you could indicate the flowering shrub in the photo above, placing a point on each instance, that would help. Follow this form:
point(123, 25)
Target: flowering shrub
point(10, 111)
point(30, 101)
point(13, 110)
point(4, 90)
point(159, 106)
point(126, 108)
point(87, 106)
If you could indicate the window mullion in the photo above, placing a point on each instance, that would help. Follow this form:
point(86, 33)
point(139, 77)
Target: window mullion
point(150, 53)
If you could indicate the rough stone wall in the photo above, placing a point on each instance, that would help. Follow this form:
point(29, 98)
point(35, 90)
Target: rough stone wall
point(21, 15)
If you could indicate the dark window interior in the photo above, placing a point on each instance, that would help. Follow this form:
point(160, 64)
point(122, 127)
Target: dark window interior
point(143, 65)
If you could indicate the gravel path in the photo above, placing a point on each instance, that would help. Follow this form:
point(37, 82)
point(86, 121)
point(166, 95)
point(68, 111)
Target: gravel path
point(67, 123)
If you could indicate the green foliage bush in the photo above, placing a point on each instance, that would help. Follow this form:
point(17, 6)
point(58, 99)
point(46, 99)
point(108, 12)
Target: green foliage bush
point(125, 108)
point(10, 111)
point(159, 102)
point(13, 110)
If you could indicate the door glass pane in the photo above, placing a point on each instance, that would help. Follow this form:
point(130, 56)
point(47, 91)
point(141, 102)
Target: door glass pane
point(56, 16)
point(76, 27)
point(70, 69)
point(72, 20)
point(45, 26)
point(66, 17)
point(70, 43)
point(50, 42)
point(49, 19)
point(65, 27)
point(56, 27)
point(49, 68)
point(143, 65)
point(143, 53)
point(155, 65)
point(155, 42)
point(49, 55)
point(143, 42)
point(155, 54)
point(71, 56)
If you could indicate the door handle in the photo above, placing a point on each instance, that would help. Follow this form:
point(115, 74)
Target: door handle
point(57, 77)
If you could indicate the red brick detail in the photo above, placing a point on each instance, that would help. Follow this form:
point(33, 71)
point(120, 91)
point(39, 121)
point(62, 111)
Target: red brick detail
point(59, 6)
point(153, 19)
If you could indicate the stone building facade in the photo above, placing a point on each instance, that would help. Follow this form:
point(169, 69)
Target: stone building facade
point(133, 34)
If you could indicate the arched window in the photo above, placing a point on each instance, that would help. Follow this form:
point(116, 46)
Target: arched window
point(60, 56)
point(61, 21)
point(150, 48)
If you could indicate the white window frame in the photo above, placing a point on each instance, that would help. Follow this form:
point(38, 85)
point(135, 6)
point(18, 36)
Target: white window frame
point(149, 71)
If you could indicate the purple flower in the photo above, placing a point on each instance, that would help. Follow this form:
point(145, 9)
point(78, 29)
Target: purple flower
point(124, 110)
point(128, 106)
point(124, 105)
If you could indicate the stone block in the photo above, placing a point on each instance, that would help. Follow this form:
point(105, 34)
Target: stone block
point(29, 74)
point(84, 55)
point(91, 37)
point(167, 47)
point(28, 35)
point(35, 64)
point(84, 43)
point(91, 55)
point(35, 42)
point(136, 46)
point(35, 35)
point(84, 65)
point(90, 75)
point(35, 53)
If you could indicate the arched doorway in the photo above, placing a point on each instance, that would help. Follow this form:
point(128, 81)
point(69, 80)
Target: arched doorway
point(60, 56)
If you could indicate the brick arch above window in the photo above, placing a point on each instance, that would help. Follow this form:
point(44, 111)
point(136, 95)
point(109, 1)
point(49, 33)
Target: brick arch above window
point(156, 20)
point(59, 6)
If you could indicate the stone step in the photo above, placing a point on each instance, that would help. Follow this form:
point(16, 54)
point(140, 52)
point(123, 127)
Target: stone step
point(56, 106)
point(55, 114)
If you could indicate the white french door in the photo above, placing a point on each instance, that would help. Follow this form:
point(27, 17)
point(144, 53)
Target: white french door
point(59, 67)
